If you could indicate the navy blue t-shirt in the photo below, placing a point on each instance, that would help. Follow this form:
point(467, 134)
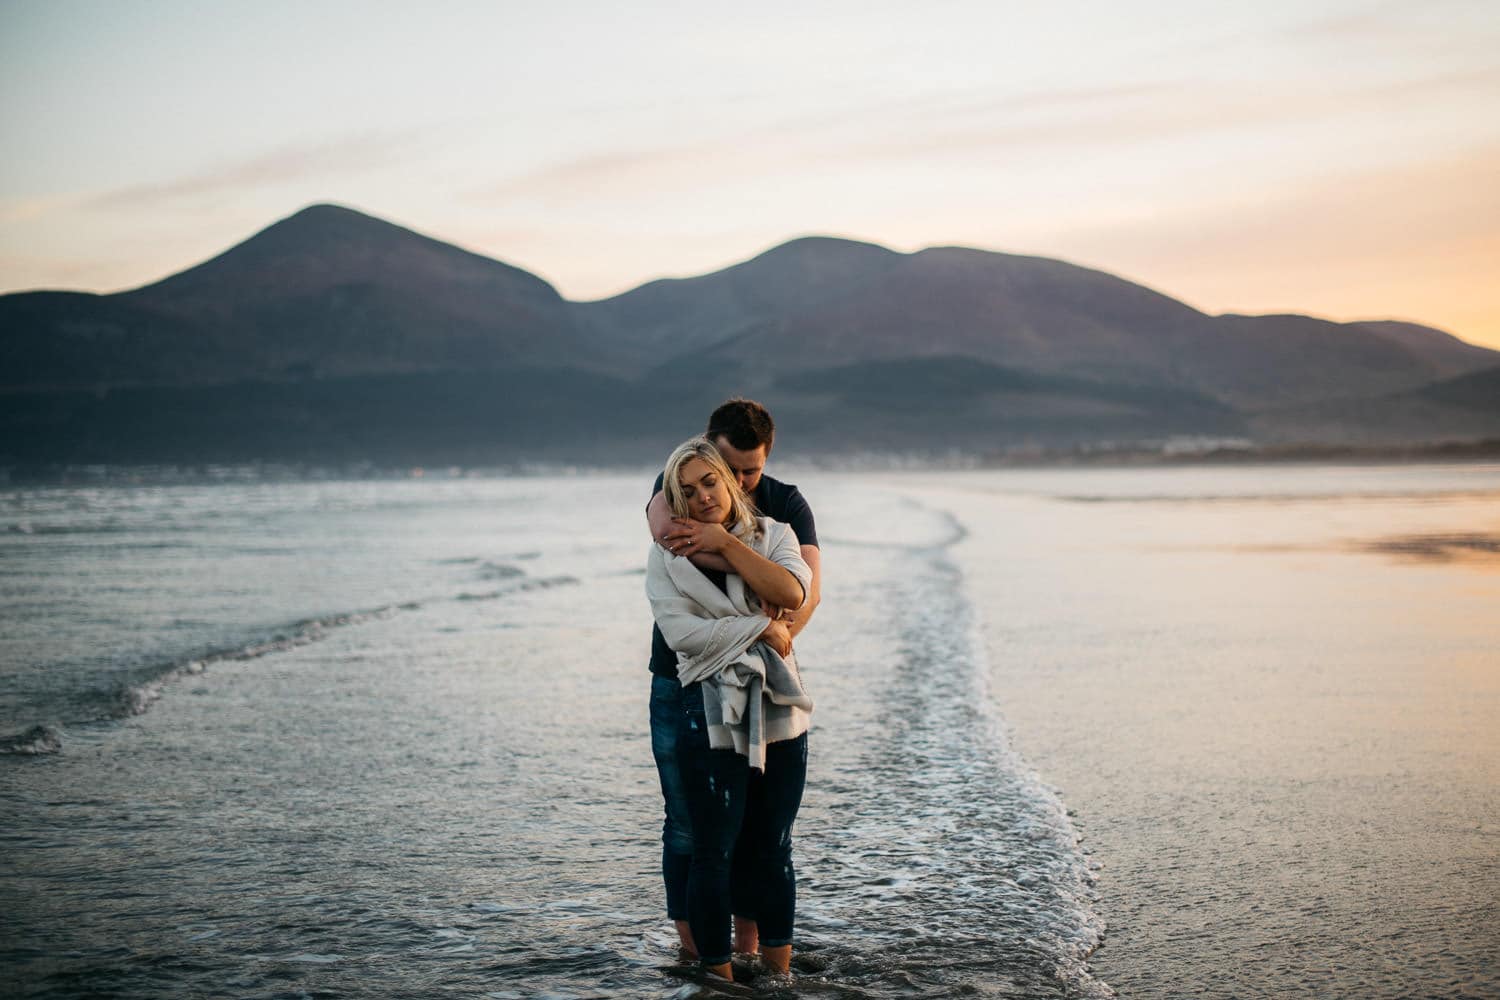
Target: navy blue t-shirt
point(777, 500)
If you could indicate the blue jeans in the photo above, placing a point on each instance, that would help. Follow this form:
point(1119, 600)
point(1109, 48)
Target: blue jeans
point(677, 825)
point(740, 819)
point(677, 822)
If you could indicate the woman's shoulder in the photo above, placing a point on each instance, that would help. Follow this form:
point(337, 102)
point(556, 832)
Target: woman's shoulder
point(774, 534)
point(770, 528)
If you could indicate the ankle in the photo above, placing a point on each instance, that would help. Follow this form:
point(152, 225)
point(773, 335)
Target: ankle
point(746, 936)
point(685, 939)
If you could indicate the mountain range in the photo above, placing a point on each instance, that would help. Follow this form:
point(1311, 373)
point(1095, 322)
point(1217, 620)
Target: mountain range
point(334, 336)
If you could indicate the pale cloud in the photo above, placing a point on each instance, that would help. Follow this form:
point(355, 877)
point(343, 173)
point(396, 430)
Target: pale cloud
point(588, 172)
point(651, 170)
point(938, 129)
point(24, 210)
point(1051, 99)
point(154, 228)
point(833, 136)
point(1156, 112)
point(1389, 21)
point(287, 164)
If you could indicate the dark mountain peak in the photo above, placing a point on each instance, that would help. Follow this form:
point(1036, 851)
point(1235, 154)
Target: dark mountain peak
point(1439, 353)
point(807, 248)
point(795, 258)
point(973, 264)
point(1405, 328)
point(1271, 320)
point(327, 291)
point(677, 315)
point(329, 225)
point(324, 246)
point(1037, 292)
point(327, 210)
point(956, 252)
point(1451, 355)
point(1414, 336)
point(810, 266)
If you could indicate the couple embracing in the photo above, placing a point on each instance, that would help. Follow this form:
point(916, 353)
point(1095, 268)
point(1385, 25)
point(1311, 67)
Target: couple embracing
point(732, 579)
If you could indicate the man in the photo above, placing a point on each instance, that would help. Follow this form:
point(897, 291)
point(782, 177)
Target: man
point(743, 432)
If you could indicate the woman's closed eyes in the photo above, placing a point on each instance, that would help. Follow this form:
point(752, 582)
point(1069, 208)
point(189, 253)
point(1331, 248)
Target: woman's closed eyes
point(709, 482)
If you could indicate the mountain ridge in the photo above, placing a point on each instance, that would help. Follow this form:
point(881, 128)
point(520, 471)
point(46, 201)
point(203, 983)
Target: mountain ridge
point(821, 326)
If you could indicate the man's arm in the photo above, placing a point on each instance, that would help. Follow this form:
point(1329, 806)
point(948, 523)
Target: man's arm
point(797, 620)
point(665, 531)
point(698, 636)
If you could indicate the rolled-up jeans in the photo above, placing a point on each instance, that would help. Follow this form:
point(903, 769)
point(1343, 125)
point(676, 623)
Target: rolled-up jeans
point(740, 818)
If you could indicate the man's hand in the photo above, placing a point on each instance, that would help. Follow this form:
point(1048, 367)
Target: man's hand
point(687, 538)
point(797, 620)
point(778, 638)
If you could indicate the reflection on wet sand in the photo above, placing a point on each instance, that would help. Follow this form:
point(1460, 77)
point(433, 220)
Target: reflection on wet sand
point(1471, 547)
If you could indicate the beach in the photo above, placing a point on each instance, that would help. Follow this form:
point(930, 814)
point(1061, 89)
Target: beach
point(1275, 720)
point(1079, 733)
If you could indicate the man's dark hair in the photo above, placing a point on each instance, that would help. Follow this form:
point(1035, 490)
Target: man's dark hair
point(744, 423)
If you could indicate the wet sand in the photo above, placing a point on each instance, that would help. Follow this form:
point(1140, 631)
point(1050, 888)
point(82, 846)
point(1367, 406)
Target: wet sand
point(1276, 724)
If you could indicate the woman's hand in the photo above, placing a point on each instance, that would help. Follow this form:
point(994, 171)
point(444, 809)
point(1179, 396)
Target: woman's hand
point(687, 538)
point(778, 637)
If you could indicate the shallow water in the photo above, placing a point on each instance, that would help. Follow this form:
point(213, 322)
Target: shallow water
point(390, 737)
point(1273, 701)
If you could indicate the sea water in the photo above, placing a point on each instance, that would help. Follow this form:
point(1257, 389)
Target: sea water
point(389, 736)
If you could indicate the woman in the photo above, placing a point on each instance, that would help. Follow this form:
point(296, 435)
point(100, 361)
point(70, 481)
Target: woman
point(742, 746)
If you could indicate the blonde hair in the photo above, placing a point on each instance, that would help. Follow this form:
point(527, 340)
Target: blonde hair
point(741, 510)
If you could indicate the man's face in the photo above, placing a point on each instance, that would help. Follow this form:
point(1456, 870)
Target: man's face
point(747, 465)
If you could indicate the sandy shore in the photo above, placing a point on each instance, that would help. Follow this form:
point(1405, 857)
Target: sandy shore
point(1276, 724)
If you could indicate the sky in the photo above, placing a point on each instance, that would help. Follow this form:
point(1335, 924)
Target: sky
point(1340, 159)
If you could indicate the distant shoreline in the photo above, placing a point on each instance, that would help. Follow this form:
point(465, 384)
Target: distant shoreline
point(1094, 456)
point(1280, 454)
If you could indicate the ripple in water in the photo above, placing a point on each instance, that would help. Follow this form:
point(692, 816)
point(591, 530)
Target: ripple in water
point(958, 867)
point(431, 814)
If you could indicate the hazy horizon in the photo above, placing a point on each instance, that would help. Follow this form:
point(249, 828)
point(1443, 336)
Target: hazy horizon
point(1334, 160)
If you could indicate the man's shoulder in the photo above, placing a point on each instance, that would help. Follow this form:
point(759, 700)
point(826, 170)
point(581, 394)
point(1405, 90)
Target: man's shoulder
point(778, 494)
point(785, 503)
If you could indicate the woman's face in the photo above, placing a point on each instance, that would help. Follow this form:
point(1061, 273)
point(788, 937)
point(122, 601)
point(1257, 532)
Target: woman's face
point(706, 492)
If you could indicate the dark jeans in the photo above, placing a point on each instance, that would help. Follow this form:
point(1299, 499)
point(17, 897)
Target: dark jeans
point(677, 825)
point(739, 817)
